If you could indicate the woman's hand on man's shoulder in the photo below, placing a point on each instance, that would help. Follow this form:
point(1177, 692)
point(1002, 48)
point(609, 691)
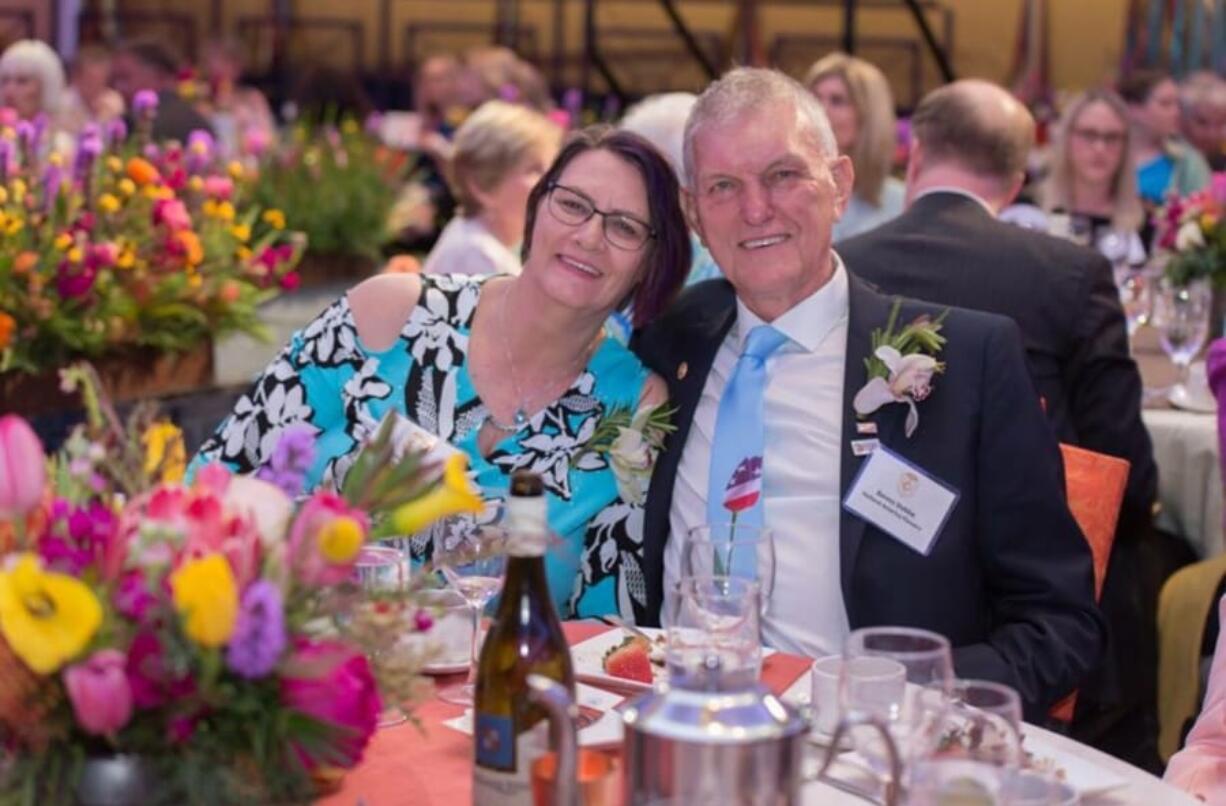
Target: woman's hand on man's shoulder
point(381, 305)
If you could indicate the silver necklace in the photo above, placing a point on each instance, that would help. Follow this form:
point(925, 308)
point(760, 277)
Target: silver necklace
point(519, 419)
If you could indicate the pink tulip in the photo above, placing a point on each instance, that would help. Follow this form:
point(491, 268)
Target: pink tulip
point(329, 682)
point(23, 468)
point(99, 691)
point(305, 550)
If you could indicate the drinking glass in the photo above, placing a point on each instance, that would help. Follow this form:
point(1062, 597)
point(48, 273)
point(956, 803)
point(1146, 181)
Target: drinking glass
point(474, 568)
point(1136, 296)
point(911, 713)
point(381, 570)
point(1181, 315)
point(725, 549)
point(713, 634)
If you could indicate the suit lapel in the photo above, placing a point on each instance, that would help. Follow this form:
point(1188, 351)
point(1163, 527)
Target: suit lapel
point(867, 311)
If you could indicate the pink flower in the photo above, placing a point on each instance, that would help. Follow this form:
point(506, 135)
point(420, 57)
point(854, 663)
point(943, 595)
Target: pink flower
point(99, 691)
point(8, 116)
point(1217, 187)
point(103, 255)
point(172, 214)
point(256, 141)
point(214, 477)
point(325, 539)
point(291, 281)
point(219, 187)
point(329, 682)
point(23, 468)
point(152, 682)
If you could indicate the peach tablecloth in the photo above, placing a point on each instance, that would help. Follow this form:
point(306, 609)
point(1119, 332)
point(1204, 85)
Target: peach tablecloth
point(433, 766)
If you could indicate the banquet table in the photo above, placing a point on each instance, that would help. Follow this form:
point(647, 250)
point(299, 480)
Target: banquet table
point(432, 766)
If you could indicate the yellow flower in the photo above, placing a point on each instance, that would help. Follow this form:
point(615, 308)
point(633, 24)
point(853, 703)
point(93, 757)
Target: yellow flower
point(4, 196)
point(114, 164)
point(350, 126)
point(241, 232)
point(453, 496)
point(108, 203)
point(192, 246)
point(194, 280)
point(225, 211)
point(46, 618)
point(242, 253)
point(15, 226)
point(74, 255)
point(126, 259)
point(340, 540)
point(196, 184)
point(55, 158)
point(19, 190)
point(164, 451)
point(126, 186)
point(236, 169)
point(63, 241)
point(274, 218)
point(206, 597)
point(209, 208)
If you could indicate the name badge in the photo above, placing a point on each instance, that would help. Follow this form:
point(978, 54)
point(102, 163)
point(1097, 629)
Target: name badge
point(900, 499)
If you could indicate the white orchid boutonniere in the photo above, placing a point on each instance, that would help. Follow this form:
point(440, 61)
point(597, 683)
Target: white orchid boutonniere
point(631, 444)
point(901, 366)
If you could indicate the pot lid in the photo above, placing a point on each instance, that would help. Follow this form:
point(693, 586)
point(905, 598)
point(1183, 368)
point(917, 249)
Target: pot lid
point(714, 717)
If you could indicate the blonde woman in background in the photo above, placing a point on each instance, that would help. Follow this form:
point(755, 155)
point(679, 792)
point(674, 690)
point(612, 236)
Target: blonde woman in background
point(499, 153)
point(1090, 194)
point(858, 102)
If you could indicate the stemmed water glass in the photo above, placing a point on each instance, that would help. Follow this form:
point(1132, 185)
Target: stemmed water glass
point(474, 568)
point(728, 550)
point(1181, 315)
point(382, 570)
point(714, 634)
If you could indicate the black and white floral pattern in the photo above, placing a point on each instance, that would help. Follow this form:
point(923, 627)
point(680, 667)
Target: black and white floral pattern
point(613, 547)
point(331, 339)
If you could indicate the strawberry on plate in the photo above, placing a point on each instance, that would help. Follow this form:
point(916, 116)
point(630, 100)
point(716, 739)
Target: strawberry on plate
point(630, 660)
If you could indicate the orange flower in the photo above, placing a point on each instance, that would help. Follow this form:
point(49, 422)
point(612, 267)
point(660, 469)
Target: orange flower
point(191, 245)
point(142, 171)
point(25, 262)
point(7, 326)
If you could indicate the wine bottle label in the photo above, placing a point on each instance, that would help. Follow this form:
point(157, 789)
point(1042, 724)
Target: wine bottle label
point(503, 771)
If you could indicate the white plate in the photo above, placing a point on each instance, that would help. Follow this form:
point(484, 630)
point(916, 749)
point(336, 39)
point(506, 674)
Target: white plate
point(1200, 401)
point(1085, 776)
point(604, 732)
point(588, 657)
point(444, 668)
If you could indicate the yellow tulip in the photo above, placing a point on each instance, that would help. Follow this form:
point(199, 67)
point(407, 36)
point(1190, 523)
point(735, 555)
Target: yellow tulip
point(164, 449)
point(206, 597)
point(340, 540)
point(455, 495)
point(47, 618)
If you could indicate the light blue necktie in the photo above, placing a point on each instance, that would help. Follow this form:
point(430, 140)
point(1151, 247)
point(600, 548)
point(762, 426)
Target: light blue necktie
point(739, 441)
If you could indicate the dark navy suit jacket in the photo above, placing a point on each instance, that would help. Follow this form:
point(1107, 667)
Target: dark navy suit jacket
point(1009, 579)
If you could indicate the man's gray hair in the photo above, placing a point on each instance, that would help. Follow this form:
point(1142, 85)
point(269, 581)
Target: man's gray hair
point(749, 88)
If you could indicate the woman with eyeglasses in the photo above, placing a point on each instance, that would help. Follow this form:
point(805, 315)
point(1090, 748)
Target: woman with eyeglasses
point(515, 371)
point(1090, 194)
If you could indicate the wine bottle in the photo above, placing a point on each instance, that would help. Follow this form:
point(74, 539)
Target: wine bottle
point(526, 638)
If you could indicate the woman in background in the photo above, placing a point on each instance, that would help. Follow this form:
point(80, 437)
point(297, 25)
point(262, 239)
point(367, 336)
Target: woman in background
point(1164, 162)
point(499, 153)
point(857, 99)
point(32, 85)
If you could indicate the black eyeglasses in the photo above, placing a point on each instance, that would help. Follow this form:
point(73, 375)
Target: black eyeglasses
point(620, 229)
point(1092, 136)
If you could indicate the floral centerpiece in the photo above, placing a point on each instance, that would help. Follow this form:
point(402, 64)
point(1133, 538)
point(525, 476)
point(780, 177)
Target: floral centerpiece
point(133, 244)
point(359, 179)
point(209, 629)
point(1191, 232)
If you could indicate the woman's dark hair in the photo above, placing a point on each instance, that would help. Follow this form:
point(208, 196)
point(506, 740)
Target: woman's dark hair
point(1135, 87)
point(667, 255)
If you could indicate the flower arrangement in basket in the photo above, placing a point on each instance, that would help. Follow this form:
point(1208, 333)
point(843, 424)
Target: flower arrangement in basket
point(1191, 232)
point(133, 244)
point(211, 629)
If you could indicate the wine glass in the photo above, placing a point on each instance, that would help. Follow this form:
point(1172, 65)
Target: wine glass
point(382, 570)
point(1136, 296)
point(714, 634)
point(911, 712)
point(1181, 315)
point(733, 550)
point(474, 569)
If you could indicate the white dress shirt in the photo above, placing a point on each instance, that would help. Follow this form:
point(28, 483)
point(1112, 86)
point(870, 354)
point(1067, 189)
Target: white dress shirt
point(803, 415)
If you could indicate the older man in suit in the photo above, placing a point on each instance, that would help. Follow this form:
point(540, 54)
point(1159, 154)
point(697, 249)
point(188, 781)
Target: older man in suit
point(769, 362)
point(968, 159)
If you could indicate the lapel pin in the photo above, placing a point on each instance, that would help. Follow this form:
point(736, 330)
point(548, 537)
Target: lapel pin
point(866, 427)
point(863, 447)
point(683, 369)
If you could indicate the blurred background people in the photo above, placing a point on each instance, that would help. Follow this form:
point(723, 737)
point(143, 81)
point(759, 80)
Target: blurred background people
point(1090, 194)
point(1164, 162)
point(660, 120)
point(500, 152)
point(32, 84)
point(435, 91)
point(1202, 106)
point(89, 97)
point(238, 113)
point(857, 99)
point(147, 64)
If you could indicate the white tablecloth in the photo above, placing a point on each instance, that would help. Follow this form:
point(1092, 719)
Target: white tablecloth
point(1189, 477)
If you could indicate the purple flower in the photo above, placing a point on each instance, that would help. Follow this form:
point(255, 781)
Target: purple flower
point(53, 179)
point(291, 459)
point(133, 598)
point(78, 537)
point(116, 132)
point(201, 148)
point(374, 123)
point(90, 141)
point(25, 132)
point(259, 636)
point(74, 281)
point(145, 102)
point(152, 152)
